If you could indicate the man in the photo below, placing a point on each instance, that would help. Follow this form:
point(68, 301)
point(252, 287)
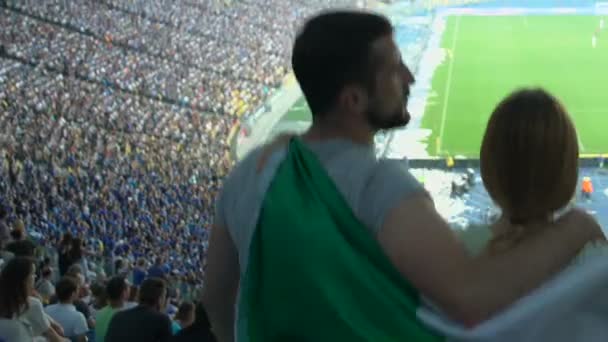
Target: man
point(157, 270)
point(144, 323)
point(117, 291)
point(351, 73)
point(44, 286)
point(73, 322)
point(139, 272)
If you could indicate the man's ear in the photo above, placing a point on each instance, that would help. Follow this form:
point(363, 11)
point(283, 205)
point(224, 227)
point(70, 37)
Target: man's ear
point(353, 98)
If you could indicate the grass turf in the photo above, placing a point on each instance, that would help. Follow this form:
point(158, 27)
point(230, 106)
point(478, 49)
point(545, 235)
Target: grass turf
point(491, 56)
point(298, 112)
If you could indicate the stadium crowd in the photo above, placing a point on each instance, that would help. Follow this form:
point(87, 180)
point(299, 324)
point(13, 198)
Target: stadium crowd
point(114, 125)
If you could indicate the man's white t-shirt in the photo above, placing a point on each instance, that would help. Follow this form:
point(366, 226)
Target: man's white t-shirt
point(72, 321)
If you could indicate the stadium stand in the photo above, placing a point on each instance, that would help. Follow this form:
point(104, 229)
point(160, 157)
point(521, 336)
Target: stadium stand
point(114, 118)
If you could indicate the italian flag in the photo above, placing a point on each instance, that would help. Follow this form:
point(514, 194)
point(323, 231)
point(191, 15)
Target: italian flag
point(316, 274)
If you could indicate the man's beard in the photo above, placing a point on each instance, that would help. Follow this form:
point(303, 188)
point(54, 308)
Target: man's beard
point(381, 122)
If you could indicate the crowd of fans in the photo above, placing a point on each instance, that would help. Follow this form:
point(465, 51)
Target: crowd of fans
point(114, 125)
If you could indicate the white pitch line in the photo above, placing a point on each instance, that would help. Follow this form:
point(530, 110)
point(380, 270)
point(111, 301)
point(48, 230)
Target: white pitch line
point(448, 83)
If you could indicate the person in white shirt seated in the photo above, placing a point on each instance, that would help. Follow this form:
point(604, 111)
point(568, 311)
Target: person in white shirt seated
point(73, 322)
point(44, 286)
point(529, 165)
point(22, 317)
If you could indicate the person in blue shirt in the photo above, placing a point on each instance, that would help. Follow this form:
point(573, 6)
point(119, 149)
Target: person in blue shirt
point(139, 273)
point(157, 270)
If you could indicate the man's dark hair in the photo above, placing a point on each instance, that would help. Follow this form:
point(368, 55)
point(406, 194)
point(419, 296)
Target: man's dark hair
point(66, 288)
point(115, 288)
point(332, 50)
point(151, 290)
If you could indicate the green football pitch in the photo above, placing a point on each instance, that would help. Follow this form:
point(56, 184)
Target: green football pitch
point(490, 56)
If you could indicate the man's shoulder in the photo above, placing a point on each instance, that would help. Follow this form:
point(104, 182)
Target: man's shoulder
point(162, 318)
point(246, 174)
point(245, 168)
point(106, 310)
point(153, 318)
point(124, 314)
point(50, 308)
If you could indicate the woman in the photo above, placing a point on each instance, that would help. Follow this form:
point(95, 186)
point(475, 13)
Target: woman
point(64, 253)
point(77, 256)
point(22, 317)
point(529, 165)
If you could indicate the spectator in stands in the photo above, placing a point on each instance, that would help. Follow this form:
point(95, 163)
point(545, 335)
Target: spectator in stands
point(529, 165)
point(157, 270)
point(5, 255)
point(20, 245)
point(64, 253)
point(183, 318)
point(351, 73)
point(22, 316)
point(75, 272)
point(139, 273)
point(117, 293)
point(44, 286)
point(121, 268)
point(144, 323)
point(4, 230)
point(99, 298)
point(64, 312)
point(173, 300)
point(199, 331)
point(133, 295)
point(82, 301)
point(77, 256)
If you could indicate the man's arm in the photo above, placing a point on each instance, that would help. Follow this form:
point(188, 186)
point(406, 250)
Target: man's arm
point(221, 283)
point(427, 253)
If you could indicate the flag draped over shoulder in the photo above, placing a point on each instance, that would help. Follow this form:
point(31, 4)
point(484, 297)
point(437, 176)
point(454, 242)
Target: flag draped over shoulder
point(316, 273)
point(572, 306)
